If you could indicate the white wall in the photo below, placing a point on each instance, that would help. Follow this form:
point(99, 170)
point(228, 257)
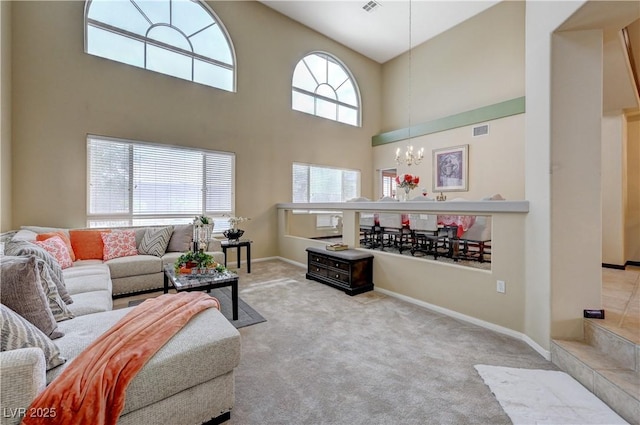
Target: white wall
point(613, 188)
point(478, 63)
point(66, 94)
point(542, 18)
point(632, 210)
point(496, 160)
point(576, 187)
point(5, 118)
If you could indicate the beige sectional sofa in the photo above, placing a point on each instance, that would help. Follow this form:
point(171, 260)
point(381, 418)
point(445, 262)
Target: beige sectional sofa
point(188, 381)
point(138, 273)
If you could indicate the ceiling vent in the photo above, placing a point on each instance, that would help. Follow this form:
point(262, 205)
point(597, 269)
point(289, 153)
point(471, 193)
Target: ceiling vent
point(481, 130)
point(371, 6)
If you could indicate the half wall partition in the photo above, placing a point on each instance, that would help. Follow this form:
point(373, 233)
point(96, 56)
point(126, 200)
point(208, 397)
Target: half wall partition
point(470, 294)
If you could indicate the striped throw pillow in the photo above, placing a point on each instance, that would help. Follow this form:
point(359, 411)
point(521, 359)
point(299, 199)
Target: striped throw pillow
point(20, 248)
point(17, 332)
point(155, 241)
point(57, 305)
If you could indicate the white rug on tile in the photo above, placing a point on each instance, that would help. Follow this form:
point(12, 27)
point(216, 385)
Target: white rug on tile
point(533, 396)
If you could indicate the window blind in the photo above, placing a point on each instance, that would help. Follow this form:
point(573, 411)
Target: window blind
point(312, 183)
point(135, 183)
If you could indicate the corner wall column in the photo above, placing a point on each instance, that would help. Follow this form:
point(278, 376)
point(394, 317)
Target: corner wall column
point(576, 219)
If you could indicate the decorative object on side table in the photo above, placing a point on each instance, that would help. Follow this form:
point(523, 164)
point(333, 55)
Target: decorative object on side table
point(233, 234)
point(441, 197)
point(407, 182)
point(202, 231)
point(337, 247)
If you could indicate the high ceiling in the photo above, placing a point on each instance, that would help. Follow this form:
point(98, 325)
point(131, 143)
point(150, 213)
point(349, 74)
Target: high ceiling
point(382, 33)
point(392, 25)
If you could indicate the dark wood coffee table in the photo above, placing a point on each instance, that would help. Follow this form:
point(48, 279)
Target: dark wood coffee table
point(201, 282)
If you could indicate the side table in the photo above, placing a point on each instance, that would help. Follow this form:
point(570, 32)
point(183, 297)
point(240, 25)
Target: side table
point(238, 245)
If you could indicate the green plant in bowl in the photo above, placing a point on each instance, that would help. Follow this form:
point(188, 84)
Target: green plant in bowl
point(190, 259)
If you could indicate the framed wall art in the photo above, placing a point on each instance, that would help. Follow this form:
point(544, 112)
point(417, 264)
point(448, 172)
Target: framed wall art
point(451, 169)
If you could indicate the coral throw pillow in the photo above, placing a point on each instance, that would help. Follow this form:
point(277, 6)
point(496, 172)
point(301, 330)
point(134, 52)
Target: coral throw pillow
point(119, 244)
point(58, 250)
point(63, 236)
point(87, 244)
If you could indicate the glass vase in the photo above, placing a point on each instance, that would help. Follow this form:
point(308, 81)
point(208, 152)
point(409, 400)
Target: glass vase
point(405, 195)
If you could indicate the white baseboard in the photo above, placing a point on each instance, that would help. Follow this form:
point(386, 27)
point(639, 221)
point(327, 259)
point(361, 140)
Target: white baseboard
point(259, 260)
point(487, 325)
point(295, 263)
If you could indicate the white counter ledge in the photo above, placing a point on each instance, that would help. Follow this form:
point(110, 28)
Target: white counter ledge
point(408, 206)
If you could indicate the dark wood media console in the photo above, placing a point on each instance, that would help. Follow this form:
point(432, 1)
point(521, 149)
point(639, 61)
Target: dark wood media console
point(349, 270)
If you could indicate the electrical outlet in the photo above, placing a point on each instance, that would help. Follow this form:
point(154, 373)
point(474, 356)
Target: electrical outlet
point(501, 286)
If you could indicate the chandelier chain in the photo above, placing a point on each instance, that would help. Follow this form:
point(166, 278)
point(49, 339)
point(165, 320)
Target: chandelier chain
point(410, 157)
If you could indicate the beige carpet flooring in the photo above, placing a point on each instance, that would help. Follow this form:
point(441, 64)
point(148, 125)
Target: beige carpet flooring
point(323, 357)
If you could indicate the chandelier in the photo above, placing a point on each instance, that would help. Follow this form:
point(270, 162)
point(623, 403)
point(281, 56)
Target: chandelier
point(410, 157)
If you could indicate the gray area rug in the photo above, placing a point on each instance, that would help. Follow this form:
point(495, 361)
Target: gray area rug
point(246, 314)
point(324, 357)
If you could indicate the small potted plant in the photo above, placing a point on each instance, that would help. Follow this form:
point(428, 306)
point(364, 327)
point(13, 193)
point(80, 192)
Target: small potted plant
point(194, 260)
point(202, 219)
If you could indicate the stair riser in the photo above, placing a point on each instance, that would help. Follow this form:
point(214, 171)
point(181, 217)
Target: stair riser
point(621, 402)
point(568, 363)
point(623, 351)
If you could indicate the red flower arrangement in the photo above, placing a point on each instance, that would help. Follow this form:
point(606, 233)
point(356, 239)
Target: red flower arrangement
point(407, 181)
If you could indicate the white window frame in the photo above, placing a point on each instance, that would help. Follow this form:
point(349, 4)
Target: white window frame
point(147, 41)
point(316, 96)
point(220, 217)
point(324, 219)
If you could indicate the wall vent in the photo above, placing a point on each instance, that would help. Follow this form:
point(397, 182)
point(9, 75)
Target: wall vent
point(481, 130)
point(371, 6)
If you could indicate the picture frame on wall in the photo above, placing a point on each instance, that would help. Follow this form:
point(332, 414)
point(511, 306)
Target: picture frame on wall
point(451, 169)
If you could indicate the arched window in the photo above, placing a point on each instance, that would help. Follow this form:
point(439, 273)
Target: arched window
point(182, 38)
point(323, 86)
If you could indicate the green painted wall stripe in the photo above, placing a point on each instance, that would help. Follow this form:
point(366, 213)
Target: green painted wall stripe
point(475, 116)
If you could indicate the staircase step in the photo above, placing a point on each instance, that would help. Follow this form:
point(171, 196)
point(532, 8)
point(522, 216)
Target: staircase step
point(612, 344)
point(609, 378)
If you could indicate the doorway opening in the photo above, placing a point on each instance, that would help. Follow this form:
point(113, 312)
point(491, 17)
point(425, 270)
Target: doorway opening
point(388, 183)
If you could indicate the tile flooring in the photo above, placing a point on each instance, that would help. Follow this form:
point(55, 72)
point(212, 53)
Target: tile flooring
point(607, 361)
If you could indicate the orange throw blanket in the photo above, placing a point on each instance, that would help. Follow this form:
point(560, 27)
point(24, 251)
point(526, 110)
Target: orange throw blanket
point(91, 390)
